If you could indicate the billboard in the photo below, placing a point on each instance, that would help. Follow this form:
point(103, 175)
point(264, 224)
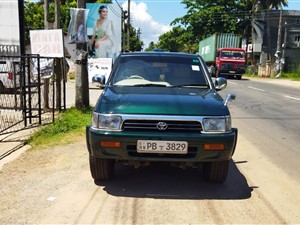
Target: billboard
point(9, 27)
point(104, 30)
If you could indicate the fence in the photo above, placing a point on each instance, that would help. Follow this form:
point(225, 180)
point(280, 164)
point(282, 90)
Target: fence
point(30, 91)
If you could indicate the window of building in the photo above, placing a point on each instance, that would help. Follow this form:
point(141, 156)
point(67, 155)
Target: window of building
point(297, 38)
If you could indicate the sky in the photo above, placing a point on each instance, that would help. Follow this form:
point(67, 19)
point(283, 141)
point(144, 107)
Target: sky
point(153, 17)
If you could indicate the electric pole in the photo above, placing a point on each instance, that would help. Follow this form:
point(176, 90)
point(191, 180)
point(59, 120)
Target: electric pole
point(279, 33)
point(128, 26)
point(82, 82)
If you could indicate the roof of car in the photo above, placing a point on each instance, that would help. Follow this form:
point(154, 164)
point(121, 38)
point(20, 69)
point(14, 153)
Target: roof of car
point(155, 53)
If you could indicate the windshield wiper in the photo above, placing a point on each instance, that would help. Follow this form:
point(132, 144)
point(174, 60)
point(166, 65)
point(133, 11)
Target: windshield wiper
point(190, 85)
point(150, 85)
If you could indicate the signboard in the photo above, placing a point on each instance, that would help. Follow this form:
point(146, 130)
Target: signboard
point(47, 43)
point(99, 66)
point(104, 30)
point(9, 27)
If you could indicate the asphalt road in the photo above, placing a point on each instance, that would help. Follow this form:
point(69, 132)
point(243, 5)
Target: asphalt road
point(269, 115)
point(54, 186)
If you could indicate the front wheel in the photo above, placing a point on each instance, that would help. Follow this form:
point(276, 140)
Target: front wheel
point(101, 169)
point(216, 172)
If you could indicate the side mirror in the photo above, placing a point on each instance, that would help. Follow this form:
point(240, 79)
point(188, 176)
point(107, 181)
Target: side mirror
point(220, 83)
point(229, 98)
point(99, 79)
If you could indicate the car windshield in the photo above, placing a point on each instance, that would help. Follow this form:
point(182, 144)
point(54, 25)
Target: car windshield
point(232, 54)
point(159, 71)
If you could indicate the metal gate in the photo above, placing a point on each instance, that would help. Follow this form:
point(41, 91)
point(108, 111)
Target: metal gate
point(30, 92)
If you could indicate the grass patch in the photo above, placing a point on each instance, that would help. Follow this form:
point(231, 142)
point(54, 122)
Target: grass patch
point(67, 128)
point(294, 75)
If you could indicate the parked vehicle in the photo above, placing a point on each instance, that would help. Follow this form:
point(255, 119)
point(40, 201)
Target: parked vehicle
point(160, 106)
point(223, 55)
point(9, 77)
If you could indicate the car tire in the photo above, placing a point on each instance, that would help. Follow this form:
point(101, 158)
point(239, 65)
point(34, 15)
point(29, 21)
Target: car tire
point(216, 172)
point(239, 77)
point(101, 169)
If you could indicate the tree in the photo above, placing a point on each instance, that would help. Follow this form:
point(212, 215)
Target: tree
point(34, 15)
point(176, 40)
point(151, 47)
point(206, 17)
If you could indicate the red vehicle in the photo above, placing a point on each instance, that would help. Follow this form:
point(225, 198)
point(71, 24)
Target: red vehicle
point(230, 62)
point(223, 55)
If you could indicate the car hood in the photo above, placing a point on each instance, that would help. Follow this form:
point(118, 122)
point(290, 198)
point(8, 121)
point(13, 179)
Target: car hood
point(161, 101)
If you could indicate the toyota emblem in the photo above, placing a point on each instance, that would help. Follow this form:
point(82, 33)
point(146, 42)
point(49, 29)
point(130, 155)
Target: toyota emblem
point(162, 126)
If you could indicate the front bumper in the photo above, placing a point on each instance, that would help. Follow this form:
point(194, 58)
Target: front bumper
point(232, 72)
point(128, 140)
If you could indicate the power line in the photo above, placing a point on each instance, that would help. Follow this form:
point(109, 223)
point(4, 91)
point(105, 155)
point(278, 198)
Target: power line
point(114, 11)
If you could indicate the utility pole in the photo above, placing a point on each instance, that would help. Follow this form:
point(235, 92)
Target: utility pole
point(82, 82)
point(284, 40)
point(279, 33)
point(46, 80)
point(128, 26)
point(124, 17)
point(58, 61)
point(279, 62)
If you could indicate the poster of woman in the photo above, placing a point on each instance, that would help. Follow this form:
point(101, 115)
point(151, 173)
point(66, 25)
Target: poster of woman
point(104, 30)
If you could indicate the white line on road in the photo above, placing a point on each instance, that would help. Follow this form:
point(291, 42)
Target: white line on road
point(255, 88)
point(234, 83)
point(298, 99)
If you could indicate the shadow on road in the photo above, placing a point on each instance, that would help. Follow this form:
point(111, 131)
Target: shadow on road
point(166, 182)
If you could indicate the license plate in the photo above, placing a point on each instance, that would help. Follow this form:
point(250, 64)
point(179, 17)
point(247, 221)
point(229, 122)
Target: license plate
point(171, 147)
point(231, 71)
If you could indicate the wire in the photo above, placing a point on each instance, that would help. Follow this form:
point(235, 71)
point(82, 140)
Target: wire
point(114, 11)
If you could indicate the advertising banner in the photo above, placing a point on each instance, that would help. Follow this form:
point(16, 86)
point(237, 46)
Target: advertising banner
point(104, 30)
point(77, 26)
point(99, 67)
point(47, 43)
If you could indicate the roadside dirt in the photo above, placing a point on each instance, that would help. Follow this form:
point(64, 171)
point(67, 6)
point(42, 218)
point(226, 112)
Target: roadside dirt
point(54, 186)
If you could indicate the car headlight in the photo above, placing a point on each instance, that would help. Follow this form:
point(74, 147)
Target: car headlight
point(106, 122)
point(217, 125)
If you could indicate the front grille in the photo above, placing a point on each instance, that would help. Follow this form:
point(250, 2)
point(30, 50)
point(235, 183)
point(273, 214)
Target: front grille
point(228, 66)
point(152, 126)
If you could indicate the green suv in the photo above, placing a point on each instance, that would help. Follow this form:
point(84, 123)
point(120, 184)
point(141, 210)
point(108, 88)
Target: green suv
point(160, 106)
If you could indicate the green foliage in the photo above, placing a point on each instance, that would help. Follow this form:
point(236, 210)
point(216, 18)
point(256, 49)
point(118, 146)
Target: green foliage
point(206, 17)
point(151, 47)
point(295, 75)
point(69, 122)
point(173, 40)
point(135, 43)
point(34, 15)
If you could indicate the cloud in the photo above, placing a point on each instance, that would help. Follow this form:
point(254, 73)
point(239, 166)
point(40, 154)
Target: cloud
point(140, 18)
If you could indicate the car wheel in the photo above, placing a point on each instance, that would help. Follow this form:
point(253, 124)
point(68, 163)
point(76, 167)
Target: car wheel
point(216, 172)
point(101, 169)
point(239, 77)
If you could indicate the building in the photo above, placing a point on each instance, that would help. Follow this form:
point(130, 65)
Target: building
point(276, 33)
